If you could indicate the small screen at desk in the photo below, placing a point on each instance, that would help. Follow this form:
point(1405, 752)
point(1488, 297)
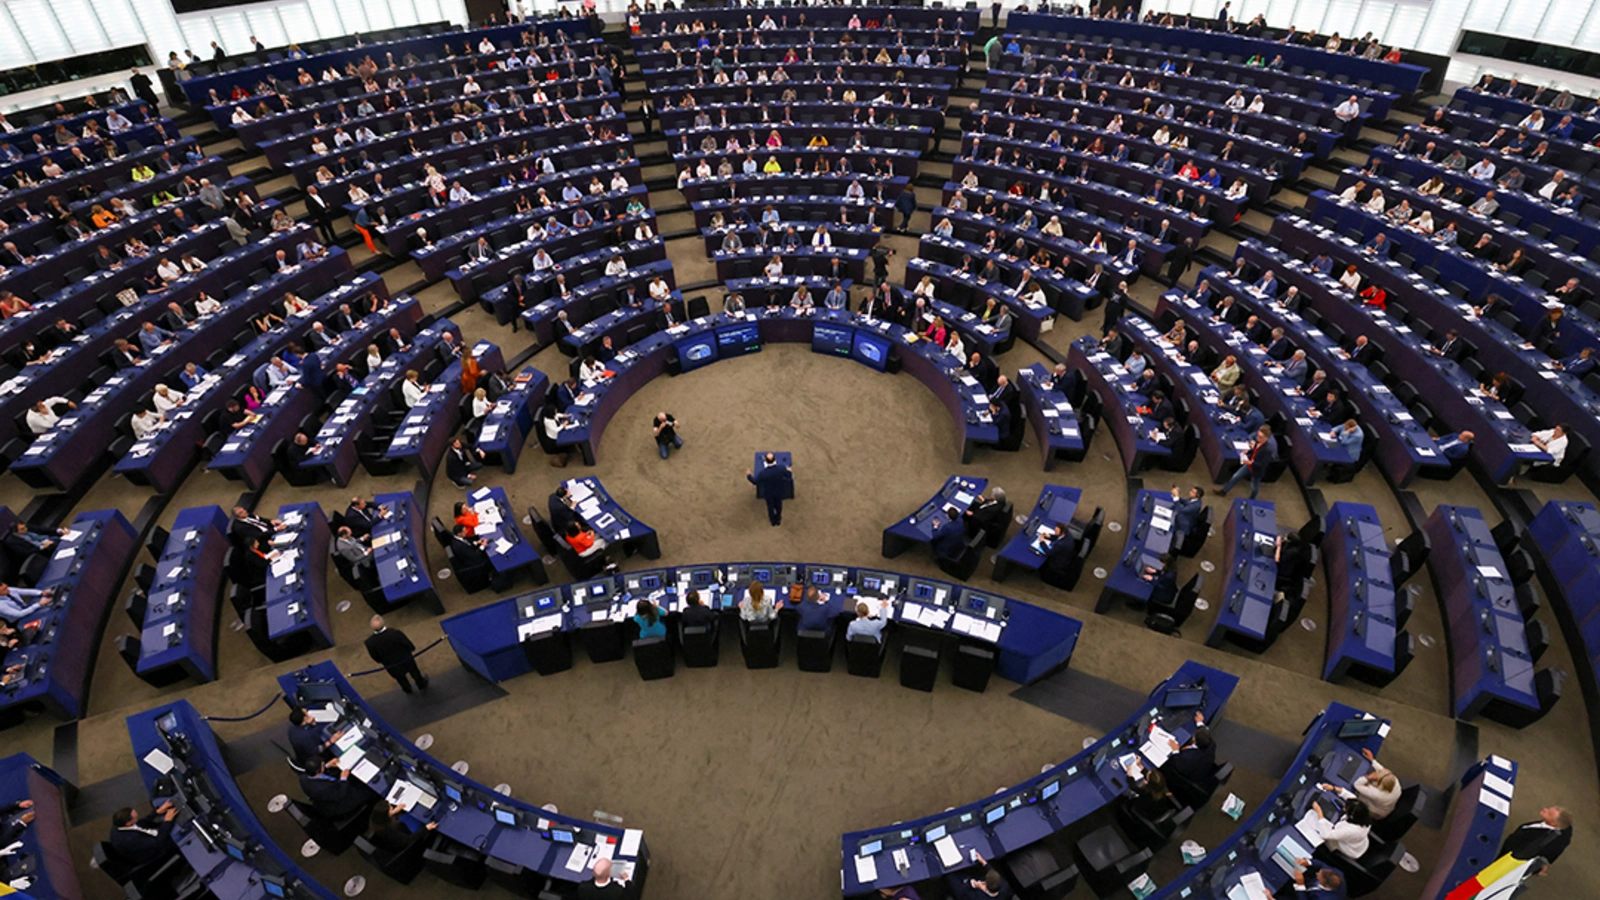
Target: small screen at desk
point(977, 604)
point(994, 815)
point(598, 590)
point(934, 833)
point(831, 339)
point(870, 848)
point(650, 582)
point(561, 837)
point(272, 888)
point(701, 578)
point(697, 351)
point(544, 601)
point(1050, 790)
point(761, 575)
point(505, 816)
point(923, 592)
point(453, 793)
point(1183, 698)
point(168, 723)
point(870, 584)
point(234, 850)
point(1359, 728)
point(821, 578)
point(871, 351)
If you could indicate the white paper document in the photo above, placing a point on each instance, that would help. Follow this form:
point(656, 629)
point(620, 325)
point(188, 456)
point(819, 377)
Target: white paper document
point(949, 853)
point(866, 869)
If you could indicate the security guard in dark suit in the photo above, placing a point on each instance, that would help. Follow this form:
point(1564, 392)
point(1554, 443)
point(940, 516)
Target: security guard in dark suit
point(774, 482)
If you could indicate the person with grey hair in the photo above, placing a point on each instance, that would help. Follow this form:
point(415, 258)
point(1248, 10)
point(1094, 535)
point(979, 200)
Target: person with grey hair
point(988, 513)
point(390, 648)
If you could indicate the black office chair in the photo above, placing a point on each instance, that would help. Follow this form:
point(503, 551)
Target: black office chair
point(333, 835)
point(455, 864)
point(157, 542)
point(701, 644)
point(401, 865)
point(1407, 810)
point(1194, 540)
point(1519, 565)
point(973, 666)
point(440, 533)
point(1037, 873)
point(1152, 831)
point(919, 666)
point(1538, 638)
point(962, 569)
point(1528, 602)
point(515, 879)
point(760, 643)
point(1196, 794)
point(1169, 620)
point(1508, 535)
point(1108, 860)
point(1408, 557)
point(654, 658)
point(138, 601)
point(144, 577)
point(603, 641)
point(550, 652)
point(864, 655)
point(814, 650)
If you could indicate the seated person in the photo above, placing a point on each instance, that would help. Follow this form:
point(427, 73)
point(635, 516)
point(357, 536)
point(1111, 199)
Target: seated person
point(697, 614)
point(756, 608)
point(1196, 761)
point(949, 538)
point(865, 623)
point(988, 883)
point(389, 832)
point(1348, 834)
point(813, 610)
point(135, 841)
point(333, 793)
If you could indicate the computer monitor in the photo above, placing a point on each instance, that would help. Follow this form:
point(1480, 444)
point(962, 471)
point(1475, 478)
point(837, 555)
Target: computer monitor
point(234, 847)
point(976, 603)
point(319, 692)
point(762, 575)
point(870, 847)
point(650, 582)
point(702, 577)
point(505, 816)
point(167, 723)
point(821, 577)
point(871, 583)
point(922, 590)
point(1050, 789)
point(452, 792)
point(1359, 728)
point(561, 836)
point(272, 886)
point(1184, 698)
point(994, 814)
point(935, 833)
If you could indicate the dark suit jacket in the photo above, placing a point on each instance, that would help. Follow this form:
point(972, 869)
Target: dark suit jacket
point(694, 616)
point(949, 541)
point(1058, 559)
point(468, 553)
point(459, 464)
point(135, 847)
point(390, 648)
point(1530, 840)
point(336, 798)
point(774, 480)
point(1196, 764)
point(249, 530)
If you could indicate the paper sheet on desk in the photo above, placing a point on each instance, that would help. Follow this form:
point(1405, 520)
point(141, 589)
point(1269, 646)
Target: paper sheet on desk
point(1495, 802)
point(949, 853)
point(384, 540)
point(159, 761)
point(1156, 749)
point(1311, 827)
point(867, 869)
point(579, 859)
point(1497, 784)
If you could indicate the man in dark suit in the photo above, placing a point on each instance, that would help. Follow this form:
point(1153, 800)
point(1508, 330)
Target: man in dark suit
point(334, 794)
point(343, 320)
point(137, 842)
point(1330, 407)
point(1179, 259)
point(305, 738)
point(468, 553)
point(1546, 837)
point(1001, 414)
point(1186, 510)
point(1058, 557)
point(360, 516)
point(984, 370)
point(1318, 882)
point(697, 614)
point(1163, 583)
point(561, 512)
point(775, 482)
point(987, 514)
point(1195, 761)
point(1452, 347)
point(1364, 352)
point(461, 464)
point(247, 528)
point(1253, 463)
point(391, 649)
point(321, 213)
point(949, 538)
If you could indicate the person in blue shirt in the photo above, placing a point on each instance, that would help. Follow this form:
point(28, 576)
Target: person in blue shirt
point(1317, 880)
point(1580, 364)
point(865, 623)
point(949, 537)
point(1350, 437)
point(1251, 418)
point(1455, 446)
point(652, 624)
point(18, 603)
point(1322, 264)
point(814, 612)
point(1013, 47)
point(1186, 510)
point(191, 375)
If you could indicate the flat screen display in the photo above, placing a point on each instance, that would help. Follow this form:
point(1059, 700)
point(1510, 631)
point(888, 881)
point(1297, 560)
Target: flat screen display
point(832, 339)
point(870, 350)
point(697, 351)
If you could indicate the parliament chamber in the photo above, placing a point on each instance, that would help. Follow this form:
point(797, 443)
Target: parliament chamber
point(1190, 405)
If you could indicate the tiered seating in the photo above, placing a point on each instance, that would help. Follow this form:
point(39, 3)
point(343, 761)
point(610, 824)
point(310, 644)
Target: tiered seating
point(823, 120)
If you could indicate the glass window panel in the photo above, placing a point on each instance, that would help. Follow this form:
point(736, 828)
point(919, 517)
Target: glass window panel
point(122, 28)
point(12, 45)
point(429, 11)
point(354, 16)
point(160, 26)
point(1444, 23)
point(264, 24)
point(1485, 15)
point(81, 26)
point(378, 17)
point(233, 32)
point(1405, 29)
point(1562, 20)
point(40, 29)
point(1374, 17)
point(1340, 18)
point(326, 14)
point(298, 24)
point(403, 12)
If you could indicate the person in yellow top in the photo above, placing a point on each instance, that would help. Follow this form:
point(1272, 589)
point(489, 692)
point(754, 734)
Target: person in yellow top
point(818, 141)
point(143, 173)
point(772, 167)
point(101, 217)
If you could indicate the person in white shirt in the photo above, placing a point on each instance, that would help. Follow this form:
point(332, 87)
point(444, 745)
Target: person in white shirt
point(1238, 190)
point(1552, 441)
point(412, 388)
point(481, 404)
point(1534, 121)
point(167, 399)
point(278, 373)
point(144, 422)
point(205, 305)
point(619, 182)
point(1375, 204)
point(1257, 105)
point(374, 358)
point(1379, 788)
point(1348, 110)
point(616, 266)
point(241, 116)
point(643, 232)
point(1353, 192)
point(1349, 835)
point(591, 369)
point(43, 416)
point(1554, 185)
point(471, 87)
point(1236, 102)
point(169, 270)
point(542, 260)
point(1483, 170)
point(822, 238)
point(659, 289)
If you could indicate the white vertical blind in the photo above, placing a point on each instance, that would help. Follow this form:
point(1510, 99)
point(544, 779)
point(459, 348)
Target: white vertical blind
point(265, 25)
point(12, 44)
point(40, 28)
point(298, 25)
point(81, 26)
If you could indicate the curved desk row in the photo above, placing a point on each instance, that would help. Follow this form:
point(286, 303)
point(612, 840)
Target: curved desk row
point(1330, 753)
point(179, 631)
point(182, 762)
point(606, 517)
point(507, 425)
point(1566, 535)
point(958, 494)
point(1250, 577)
point(705, 340)
point(295, 605)
point(1137, 434)
point(1032, 810)
point(1056, 506)
point(1055, 422)
point(52, 667)
point(400, 553)
point(466, 816)
point(247, 453)
point(1029, 641)
point(424, 433)
point(1366, 613)
point(45, 851)
point(1472, 837)
point(1152, 534)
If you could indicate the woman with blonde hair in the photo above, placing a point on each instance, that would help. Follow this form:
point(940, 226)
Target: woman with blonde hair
point(1379, 788)
point(755, 608)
